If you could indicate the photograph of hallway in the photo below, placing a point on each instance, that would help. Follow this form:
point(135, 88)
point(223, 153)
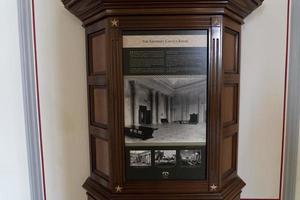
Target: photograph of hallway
point(165, 110)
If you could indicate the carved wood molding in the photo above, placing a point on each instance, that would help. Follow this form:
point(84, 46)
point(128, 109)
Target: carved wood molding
point(231, 191)
point(85, 9)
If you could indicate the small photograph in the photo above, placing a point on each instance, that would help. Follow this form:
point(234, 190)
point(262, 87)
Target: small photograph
point(190, 158)
point(140, 158)
point(165, 157)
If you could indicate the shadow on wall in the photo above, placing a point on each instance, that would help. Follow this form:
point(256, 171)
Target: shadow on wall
point(62, 79)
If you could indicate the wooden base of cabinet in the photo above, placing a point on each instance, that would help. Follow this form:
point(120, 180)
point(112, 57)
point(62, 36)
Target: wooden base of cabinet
point(230, 192)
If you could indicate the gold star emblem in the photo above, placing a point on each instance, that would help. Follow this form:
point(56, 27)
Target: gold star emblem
point(213, 187)
point(216, 21)
point(114, 22)
point(118, 189)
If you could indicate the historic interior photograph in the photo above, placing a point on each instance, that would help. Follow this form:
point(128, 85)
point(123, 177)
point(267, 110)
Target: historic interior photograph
point(190, 158)
point(165, 157)
point(165, 110)
point(140, 158)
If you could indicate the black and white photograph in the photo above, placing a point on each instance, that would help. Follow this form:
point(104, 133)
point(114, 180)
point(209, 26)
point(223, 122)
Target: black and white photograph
point(190, 158)
point(165, 110)
point(165, 157)
point(140, 158)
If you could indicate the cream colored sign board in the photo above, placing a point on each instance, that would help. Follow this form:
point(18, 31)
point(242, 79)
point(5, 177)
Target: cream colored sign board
point(167, 41)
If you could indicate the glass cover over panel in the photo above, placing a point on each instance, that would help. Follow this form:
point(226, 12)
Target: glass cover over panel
point(165, 104)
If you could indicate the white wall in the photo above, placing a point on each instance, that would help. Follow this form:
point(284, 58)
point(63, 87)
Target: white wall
point(61, 60)
point(14, 179)
point(297, 191)
point(261, 106)
point(62, 78)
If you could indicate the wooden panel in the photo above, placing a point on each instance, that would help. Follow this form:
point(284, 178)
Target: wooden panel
point(230, 51)
point(237, 197)
point(98, 53)
point(229, 104)
point(100, 106)
point(99, 132)
point(102, 156)
point(214, 103)
point(231, 79)
point(90, 198)
point(230, 130)
point(99, 80)
point(229, 154)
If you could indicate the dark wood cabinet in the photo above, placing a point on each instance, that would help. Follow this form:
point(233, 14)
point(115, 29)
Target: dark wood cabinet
point(106, 23)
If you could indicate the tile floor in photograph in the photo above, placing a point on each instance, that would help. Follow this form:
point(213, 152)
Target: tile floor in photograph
point(172, 134)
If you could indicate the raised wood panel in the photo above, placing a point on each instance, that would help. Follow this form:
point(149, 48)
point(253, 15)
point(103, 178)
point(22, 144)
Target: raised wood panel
point(98, 53)
point(99, 80)
point(99, 109)
point(230, 51)
point(237, 197)
point(99, 132)
point(229, 104)
point(90, 198)
point(229, 153)
point(102, 156)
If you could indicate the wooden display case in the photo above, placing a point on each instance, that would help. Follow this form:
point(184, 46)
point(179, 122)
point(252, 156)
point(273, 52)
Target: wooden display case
point(159, 127)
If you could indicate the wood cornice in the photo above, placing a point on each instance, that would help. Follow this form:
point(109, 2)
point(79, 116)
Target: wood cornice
point(89, 10)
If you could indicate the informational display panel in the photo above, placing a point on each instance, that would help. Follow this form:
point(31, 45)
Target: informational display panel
point(165, 102)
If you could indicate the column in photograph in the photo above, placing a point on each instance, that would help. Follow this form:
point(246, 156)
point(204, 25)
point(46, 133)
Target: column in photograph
point(184, 103)
point(132, 101)
point(203, 112)
point(159, 101)
point(136, 104)
point(182, 107)
point(204, 104)
point(154, 107)
point(169, 109)
point(200, 118)
point(187, 100)
point(157, 106)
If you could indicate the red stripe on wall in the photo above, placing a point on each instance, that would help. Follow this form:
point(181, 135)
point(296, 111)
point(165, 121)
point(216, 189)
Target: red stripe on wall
point(285, 97)
point(260, 199)
point(38, 98)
